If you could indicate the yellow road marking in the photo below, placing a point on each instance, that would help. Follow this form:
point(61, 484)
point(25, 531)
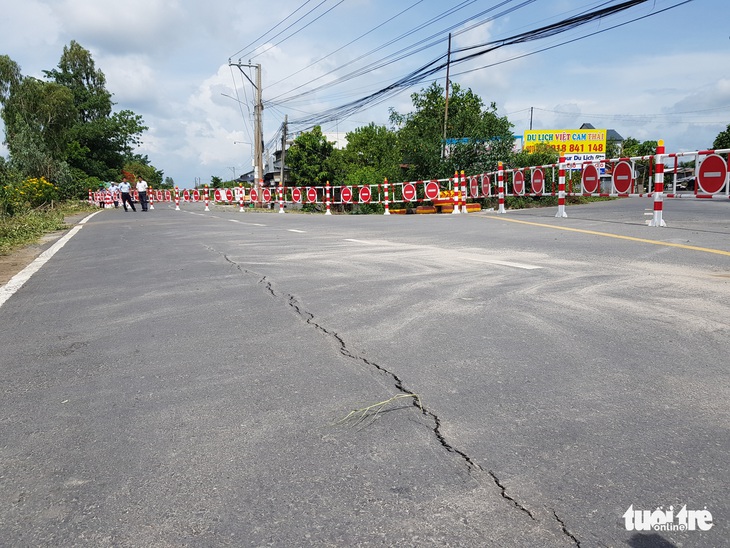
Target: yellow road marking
point(617, 236)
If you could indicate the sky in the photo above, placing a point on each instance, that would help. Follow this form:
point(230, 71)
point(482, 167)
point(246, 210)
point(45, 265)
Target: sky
point(665, 75)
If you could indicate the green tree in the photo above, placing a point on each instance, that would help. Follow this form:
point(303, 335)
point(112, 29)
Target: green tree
point(371, 156)
point(77, 71)
point(100, 141)
point(64, 129)
point(476, 137)
point(722, 140)
point(543, 155)
point(141, 167)
point(633, 147)
point(308, 158)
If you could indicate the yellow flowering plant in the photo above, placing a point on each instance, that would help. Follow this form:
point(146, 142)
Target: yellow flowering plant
point(29, 193)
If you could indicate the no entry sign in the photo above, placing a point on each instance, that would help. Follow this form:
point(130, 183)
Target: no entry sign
point(474, 187)
point(518, 182)
point(346, 194)
point(296, 195)
point(409, 192)
point(311, 194)
point(537, 182)
point(590, 179)
point(712, 174)
point(229, 195)
point(486, 185)
point(622, 177)
point(365, 194)
point(266, 193)
point(432, 190)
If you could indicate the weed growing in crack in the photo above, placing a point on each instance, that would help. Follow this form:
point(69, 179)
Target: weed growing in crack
point(371, 412)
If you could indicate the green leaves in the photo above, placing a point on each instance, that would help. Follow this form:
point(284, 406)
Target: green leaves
point(722, 140)
point(63, 128)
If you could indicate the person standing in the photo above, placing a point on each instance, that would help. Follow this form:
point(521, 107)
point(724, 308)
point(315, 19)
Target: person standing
point(114, 189)
point(125, 188)
point(142, 191)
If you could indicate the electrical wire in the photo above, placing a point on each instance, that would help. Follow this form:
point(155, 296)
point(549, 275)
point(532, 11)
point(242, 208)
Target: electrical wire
point(429, 41)
point(275, 26)
point(299, 30)
point(313, 63)
point(435, 66)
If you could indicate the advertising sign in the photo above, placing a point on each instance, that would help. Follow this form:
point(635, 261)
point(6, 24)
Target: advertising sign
point(576, 145)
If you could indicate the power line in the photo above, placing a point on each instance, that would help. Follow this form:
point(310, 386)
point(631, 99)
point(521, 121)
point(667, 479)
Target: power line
point(349, 43)
point(429, 69)
point(279, 23)
point(429, 41)
point(301, 29)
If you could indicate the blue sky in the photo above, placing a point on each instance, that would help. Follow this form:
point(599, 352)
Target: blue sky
point(666, 76)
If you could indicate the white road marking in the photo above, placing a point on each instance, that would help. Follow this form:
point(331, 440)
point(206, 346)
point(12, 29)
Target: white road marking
point(297, 231)
point(511, 264)
point(17, 281)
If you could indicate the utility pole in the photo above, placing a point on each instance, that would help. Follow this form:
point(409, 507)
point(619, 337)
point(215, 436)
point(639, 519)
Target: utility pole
point(531, 118)
point(258, 119)
point(283, 148)
point(446, 110)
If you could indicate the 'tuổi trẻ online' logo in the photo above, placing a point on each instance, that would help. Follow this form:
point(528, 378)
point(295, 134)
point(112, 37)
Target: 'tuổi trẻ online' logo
point(666, 520)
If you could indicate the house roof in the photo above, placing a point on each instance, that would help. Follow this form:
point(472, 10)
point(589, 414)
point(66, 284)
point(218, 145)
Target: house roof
point(611, 134)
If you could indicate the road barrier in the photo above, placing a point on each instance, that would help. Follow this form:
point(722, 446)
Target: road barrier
point(616, 177)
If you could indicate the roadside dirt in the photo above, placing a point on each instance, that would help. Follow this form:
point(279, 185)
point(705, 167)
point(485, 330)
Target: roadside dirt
point(17, 260)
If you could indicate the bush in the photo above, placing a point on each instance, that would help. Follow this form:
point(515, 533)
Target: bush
point(27, 194)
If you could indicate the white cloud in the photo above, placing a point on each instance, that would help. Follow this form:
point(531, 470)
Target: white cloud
point(167, 61)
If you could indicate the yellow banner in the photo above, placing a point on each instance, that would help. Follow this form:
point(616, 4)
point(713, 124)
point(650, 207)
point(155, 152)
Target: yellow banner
point(567, 141)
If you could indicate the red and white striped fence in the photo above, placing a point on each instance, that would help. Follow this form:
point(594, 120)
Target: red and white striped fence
point(612, 178)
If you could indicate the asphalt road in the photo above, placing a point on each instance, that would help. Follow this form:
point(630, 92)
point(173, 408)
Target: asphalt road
point(177, 378)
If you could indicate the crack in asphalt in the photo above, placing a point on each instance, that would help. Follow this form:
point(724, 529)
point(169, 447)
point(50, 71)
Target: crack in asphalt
point(565, 529)
point(472, 466)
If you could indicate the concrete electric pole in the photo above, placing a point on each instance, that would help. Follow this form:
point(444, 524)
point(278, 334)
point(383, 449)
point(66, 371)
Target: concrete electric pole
point(258, 109)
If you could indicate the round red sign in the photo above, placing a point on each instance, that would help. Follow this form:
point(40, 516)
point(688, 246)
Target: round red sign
point(266, 194)
point(409, 192)
point(229, 195)
point(311, 194)
point(622, 177)
point(296, 194)
point(518, 182)
point(590, 179)
point(537, 182)
point(254, 195)
point(712, 174)
point(432, 190)
point(196, 195)
point(186, 195)
point(346, 194)
point(474, 187)
point(486, 185)
point(364, 194)
point(217, 195)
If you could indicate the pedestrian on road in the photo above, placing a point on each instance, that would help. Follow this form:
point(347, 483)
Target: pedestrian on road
point(142, 191)
point(125, 188)
point(114, 189)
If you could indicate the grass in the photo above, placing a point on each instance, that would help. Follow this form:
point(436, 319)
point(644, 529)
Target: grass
point(371, 412)
point(29, 227)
